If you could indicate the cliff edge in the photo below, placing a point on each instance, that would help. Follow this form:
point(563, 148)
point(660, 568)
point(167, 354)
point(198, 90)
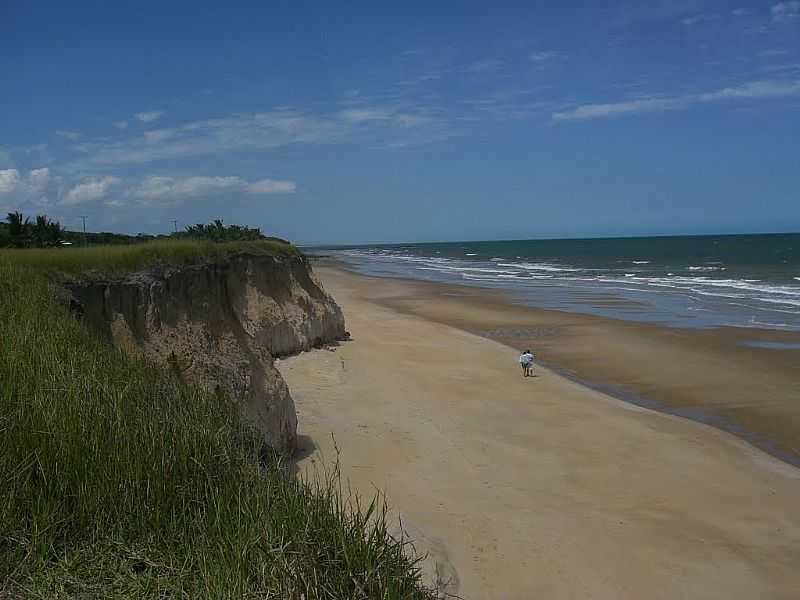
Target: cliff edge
point(220, 323)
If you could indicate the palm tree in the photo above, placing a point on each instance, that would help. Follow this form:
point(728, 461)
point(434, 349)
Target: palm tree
point(55, 232)
point(43, 232)
point(16, 225)
point(218, 234)
point(217, 231)
point(46, 232)
point(40, 231)
point(18, 228)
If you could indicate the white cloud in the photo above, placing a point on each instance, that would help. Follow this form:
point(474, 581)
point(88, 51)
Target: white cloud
point(27, 190)
point(9, 180)
point(591, 111)
point(361, 115)
point(149, 116)
point(70, 135)
point(211, 136)
point(740, 12)
point(93, 188)
point(754, 89)
point(158, 135)
point(32, 189)
point(786, 11)
point(751, 90)
point(158, 188)
point(271, 186)
point(391, 116)
point(39, 179)
point(542, 56)
point(121, 124)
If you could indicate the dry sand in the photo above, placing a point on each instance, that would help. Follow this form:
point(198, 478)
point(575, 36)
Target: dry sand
point(539, 487)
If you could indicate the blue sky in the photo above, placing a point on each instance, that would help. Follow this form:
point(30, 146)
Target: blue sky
point(406, 121)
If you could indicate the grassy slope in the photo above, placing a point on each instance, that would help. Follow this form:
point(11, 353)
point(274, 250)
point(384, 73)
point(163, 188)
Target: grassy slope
point(116, 480)
point(111, 260)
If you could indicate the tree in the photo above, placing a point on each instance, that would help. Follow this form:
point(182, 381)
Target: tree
point(46, 232)
point(19, 229)
point(55, 232)
point(40, 231)
point(217, 231)
point(15, 223)
point(43, 232)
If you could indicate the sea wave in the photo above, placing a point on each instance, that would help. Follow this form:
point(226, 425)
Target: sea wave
point(720, 288)
point(739, 294)
point(526, 276)
point(547, 267)
point(445, 268)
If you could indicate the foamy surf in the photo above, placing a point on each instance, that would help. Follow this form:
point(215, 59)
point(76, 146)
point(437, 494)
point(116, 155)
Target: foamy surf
point(705, 290)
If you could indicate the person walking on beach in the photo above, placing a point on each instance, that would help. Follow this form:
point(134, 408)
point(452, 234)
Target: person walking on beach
point(526, 362)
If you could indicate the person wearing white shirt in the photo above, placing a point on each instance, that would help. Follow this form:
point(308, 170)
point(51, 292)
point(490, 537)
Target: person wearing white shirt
point(526, 362)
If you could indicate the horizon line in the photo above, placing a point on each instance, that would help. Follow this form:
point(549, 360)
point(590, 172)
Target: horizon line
point(546, 239)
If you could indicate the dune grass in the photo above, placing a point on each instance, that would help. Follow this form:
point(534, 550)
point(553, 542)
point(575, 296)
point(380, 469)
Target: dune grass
point(119, 481)
point(119, 259)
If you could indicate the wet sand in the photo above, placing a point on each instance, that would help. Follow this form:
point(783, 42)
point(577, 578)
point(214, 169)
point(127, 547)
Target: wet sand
point(540, 487)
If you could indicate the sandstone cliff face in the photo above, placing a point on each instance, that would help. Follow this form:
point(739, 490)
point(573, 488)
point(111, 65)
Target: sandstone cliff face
point(221, 323)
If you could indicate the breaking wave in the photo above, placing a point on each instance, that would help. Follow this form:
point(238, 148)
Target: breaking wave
point(675, 293)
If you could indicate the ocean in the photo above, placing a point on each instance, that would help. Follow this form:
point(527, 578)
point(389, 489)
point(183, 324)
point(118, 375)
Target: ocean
point(678, 281)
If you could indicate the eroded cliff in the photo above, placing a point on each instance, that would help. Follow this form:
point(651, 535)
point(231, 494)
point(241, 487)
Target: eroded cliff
point(220, 323)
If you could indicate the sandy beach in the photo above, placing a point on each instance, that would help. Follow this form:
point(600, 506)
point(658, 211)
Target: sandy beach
point(542, 487)
point(709, 375)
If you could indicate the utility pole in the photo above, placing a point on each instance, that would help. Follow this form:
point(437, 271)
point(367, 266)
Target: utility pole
point(84, 217)
point(175, 223)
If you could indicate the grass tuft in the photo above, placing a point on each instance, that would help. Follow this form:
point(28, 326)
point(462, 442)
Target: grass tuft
point(117, 480)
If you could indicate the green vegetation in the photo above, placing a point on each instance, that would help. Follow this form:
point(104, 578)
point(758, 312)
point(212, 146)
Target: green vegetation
point(117, 480)
point(107, 238)
point(125, 254)
point(20, 232)
point(216, 231)
point(119, 259)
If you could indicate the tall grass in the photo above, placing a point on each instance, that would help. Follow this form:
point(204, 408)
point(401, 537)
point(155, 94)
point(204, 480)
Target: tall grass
point(117, 480)
point(117, 259)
